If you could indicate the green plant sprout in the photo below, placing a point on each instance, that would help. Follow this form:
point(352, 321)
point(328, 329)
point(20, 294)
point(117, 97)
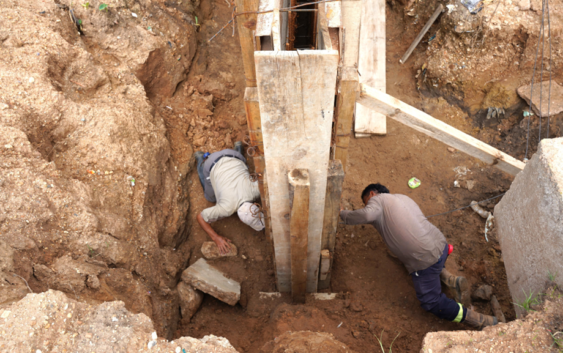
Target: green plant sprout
point(381, 343)
point(529, 301)
point(551, 276)
point(86, 5)
point(103, 7)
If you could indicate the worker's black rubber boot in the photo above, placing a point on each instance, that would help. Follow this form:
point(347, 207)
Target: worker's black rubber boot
point(459, 284)
point(238, 147)
point(198, 157)
point(478, 320)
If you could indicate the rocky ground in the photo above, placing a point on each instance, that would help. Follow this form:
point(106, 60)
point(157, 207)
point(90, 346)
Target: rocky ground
point(541, 330)
point(99, 196)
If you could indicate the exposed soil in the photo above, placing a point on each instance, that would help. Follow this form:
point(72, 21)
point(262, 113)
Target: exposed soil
point(194, 89)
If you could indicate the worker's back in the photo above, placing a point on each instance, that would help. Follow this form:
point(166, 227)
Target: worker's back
point(404, 228)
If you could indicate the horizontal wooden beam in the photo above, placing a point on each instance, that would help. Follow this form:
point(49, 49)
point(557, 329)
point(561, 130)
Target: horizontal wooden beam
point(420, 121)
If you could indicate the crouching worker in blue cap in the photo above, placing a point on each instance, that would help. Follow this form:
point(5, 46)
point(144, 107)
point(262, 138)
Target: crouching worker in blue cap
point(226, 181)
point(422, 248)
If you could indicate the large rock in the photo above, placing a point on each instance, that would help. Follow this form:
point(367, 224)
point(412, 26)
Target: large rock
point(529, 221)
point(51, 322)
point(555, 103)
point(209, 280)
point(190, 300)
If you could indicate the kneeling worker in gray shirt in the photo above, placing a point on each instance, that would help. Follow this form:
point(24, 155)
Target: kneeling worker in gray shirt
point(422, 248)
point(226, 181)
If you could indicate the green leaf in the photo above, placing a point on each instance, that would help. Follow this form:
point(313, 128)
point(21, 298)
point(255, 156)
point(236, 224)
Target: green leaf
point(103, 7)
point(79, 22)
point(86, 5)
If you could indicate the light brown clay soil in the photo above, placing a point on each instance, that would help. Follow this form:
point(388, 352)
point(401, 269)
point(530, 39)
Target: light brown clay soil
point(195, 90)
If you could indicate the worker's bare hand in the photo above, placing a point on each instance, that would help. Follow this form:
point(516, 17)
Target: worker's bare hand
point(223, 244)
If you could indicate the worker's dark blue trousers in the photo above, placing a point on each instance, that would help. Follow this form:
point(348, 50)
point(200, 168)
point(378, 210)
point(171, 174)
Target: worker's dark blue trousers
point(428, 289)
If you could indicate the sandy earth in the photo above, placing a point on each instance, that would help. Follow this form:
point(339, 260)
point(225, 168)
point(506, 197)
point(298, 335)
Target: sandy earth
point(136, 96)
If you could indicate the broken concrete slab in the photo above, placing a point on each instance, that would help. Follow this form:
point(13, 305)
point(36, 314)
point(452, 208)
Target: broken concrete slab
point(529, 221)
point(556, 105)
point(209, 280)
point(210, 250)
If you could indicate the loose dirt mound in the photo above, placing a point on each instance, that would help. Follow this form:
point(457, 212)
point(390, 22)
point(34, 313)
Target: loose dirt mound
point(92, 202)
point(51, 322)
point(305, 342)
point(540, 331)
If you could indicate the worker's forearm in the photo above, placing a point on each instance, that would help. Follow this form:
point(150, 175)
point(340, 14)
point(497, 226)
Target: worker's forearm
point(207, 227)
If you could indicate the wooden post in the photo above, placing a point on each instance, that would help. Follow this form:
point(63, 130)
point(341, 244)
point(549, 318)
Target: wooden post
point(296, 96)
point(420, 121)
point(350, 34)
point(344, 115)
point(299, 231)
point(371, 65)
point(331, 216)
point(246, 24)
point(254, 123)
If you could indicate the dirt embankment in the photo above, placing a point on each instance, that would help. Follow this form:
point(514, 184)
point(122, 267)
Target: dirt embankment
point(539, 331)
point(478, 61)
point(93, 202)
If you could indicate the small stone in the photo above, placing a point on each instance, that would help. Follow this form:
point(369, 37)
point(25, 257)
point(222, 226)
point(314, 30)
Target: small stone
point(356, 334)
point(451, 149)
point(5, 314)
point(483, 292)
point(178, 350)
point(154, 336)
point(151, 344)
point(31, 80)
point(210, 250)
point(241, 119)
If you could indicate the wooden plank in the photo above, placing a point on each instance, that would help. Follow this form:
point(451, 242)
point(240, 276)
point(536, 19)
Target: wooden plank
point(345, 102)
point(264, 20)
point(296, 137)
point(333, 12)
point(425, 29)
point(318, 81)
point(298, 229)
point(437, 129)
point(254, 123)
point(323, 38)
point(253, 120)
point(350, 34)
point(276, 30)
point(331, 215)
point(246, 24)
point(371, 65)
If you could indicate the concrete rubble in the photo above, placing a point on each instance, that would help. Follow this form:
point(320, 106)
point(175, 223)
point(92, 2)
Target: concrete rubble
point(209, 280)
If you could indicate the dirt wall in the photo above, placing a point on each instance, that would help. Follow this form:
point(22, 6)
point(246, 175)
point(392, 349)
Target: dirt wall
point(93, 203)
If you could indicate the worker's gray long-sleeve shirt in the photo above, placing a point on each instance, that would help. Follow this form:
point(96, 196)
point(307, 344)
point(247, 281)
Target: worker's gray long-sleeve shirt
point(404, 228)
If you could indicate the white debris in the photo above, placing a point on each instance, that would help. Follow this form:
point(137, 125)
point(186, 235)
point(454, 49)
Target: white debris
point(154, 336)
point(151, 344)
point(134, 14)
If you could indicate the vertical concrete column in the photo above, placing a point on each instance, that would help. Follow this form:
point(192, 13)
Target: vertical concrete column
point(529, 221)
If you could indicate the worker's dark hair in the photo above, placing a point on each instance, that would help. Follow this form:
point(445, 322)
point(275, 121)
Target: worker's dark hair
point(380, 189)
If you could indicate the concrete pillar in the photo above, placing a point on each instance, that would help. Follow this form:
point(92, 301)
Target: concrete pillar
point(529, 222)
